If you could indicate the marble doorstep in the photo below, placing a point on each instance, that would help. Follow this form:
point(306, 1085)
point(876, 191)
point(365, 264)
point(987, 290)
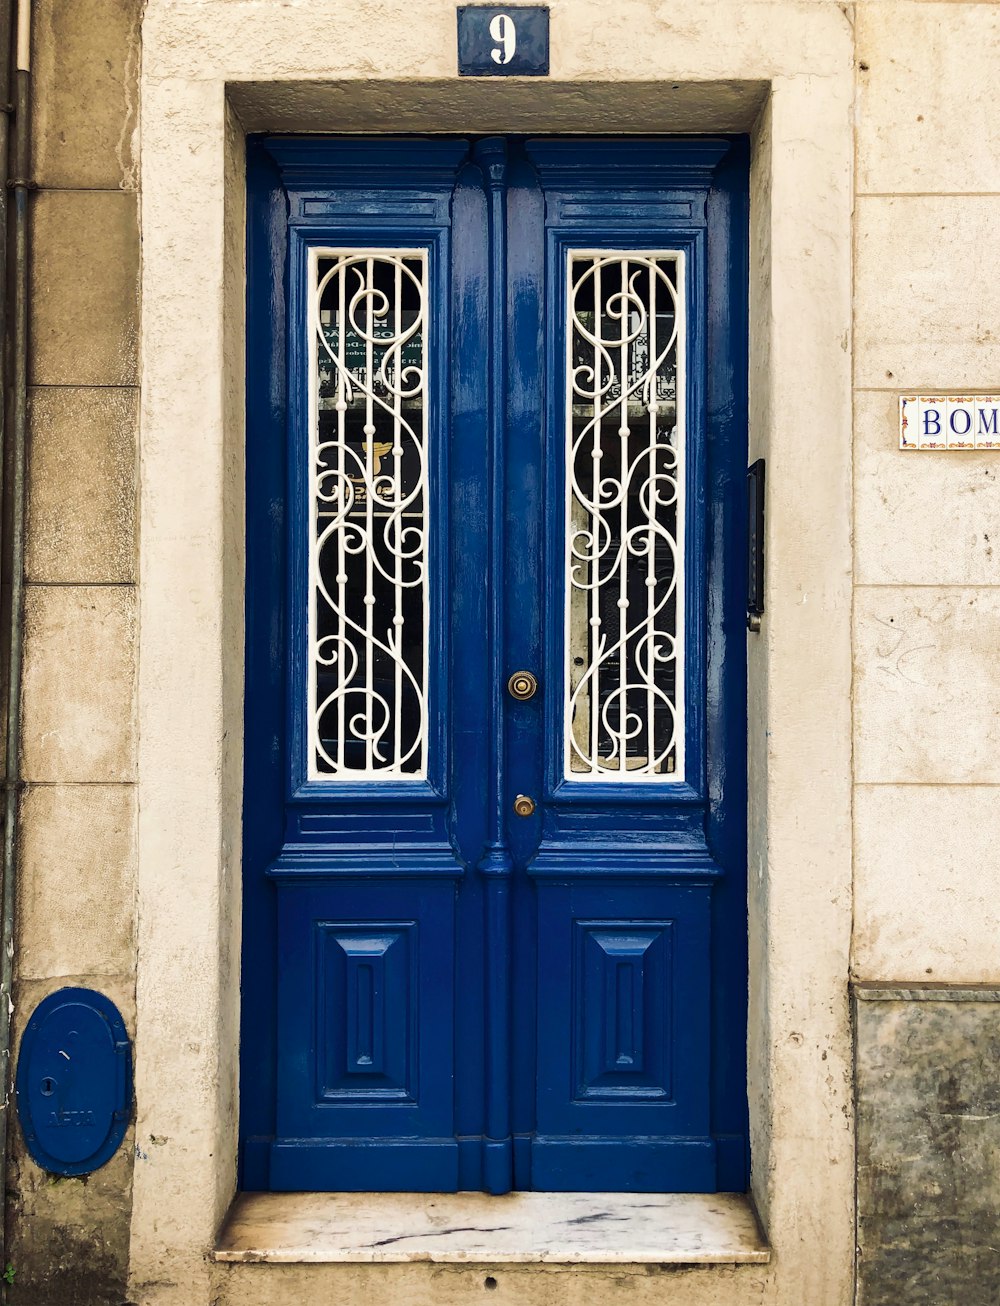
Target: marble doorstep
point(559, 1228)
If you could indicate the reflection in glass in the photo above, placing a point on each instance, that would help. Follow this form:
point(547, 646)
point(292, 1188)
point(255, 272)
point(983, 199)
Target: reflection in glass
point(624, 516)
point(368, 475)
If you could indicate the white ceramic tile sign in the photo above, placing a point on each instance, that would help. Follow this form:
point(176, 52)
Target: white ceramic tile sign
point(949, 422)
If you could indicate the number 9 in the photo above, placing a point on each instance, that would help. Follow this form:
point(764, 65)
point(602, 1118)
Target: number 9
point(502, 29)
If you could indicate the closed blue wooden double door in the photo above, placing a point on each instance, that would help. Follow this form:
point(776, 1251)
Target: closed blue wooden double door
point(495, 773)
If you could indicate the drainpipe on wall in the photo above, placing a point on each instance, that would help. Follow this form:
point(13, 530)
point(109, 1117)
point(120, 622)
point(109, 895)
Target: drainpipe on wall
point(15, 162)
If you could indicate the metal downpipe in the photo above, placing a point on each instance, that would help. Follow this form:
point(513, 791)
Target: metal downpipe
point(16, 331)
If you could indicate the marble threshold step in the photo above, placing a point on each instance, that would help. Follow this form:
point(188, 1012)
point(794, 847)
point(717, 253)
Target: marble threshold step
point(475, 1228)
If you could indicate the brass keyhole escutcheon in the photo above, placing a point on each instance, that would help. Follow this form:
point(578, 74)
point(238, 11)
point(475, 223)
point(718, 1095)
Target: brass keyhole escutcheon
point(522, 685)
point(523, 805)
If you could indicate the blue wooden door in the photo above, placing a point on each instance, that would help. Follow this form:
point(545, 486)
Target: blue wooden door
point(495, 780)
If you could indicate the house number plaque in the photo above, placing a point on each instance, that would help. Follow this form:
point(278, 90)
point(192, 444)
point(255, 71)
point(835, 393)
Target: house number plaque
point(503, 41)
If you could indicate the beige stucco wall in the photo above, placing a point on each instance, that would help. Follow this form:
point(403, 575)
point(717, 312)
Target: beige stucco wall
point(68, 1239)
point(784, 72)
point(874, 233)
point(927, 762)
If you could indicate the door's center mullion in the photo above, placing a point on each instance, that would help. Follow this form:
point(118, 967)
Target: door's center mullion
point(496, 864)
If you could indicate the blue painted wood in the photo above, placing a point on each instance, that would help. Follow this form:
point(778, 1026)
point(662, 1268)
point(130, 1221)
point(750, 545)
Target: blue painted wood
point(366, 1017)
point(571, 1014)
point(523, 613)
point(727, 211)
point(497, 865)
point(605, 835)
point(625, 981)
point(410, 922)
point(583, 923)
point(572, 1164)
point(314, 850)
point(266, 654)
point(364, 1164)
point(469, 515)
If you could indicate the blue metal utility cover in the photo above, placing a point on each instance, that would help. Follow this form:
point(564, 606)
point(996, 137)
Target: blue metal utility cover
point(74, 1081)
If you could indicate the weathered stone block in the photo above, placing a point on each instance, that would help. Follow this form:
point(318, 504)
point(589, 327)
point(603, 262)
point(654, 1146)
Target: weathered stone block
point(926, 691)
point(928, 1135)
point(925, 313)
point(82, 484)
point(925, 904)
point(84, 288)
point(920, 518)
point(76, 881)
point(79, 683)
point(929, 118)
point(426, 1284)
point(86, 94)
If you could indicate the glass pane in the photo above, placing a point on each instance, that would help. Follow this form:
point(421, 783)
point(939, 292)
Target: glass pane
point(624, 711)
point(368, 583)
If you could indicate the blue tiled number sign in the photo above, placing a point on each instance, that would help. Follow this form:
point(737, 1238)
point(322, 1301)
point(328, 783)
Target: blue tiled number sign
point(494, 41)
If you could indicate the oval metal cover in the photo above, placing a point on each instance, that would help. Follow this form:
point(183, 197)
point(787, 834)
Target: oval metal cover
point(74, 1081)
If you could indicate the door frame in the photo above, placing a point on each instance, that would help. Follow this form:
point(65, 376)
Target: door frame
point(688, 195)
point(191, 565)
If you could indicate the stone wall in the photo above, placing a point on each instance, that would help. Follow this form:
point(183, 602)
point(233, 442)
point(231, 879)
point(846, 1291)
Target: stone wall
point(927, 550)
point(926, 632)
point(68, 1238)
point(926, 768)
point(928, 1139)
point(345, 68)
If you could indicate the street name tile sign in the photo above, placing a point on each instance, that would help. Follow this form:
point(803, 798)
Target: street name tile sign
point(949, 422)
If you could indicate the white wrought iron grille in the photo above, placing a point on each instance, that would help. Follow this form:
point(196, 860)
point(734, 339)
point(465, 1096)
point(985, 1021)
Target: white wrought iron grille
point(624, 647)
point(368, 598)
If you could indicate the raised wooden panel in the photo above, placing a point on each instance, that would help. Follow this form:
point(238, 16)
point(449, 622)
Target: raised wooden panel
point(622, 994)
point(366, 972)
point(624, 1010)
point(367, 1011)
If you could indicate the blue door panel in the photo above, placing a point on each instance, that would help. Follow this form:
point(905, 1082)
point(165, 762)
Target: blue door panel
point(365, 1049)
point(363, 1165)
point(638, 1165)
point(623, 999)
point(622, 985)
point(438, 994)
point(365, 1009)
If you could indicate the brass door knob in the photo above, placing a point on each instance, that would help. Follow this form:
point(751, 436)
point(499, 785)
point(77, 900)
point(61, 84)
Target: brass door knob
point(523, 805)
point(522, 685)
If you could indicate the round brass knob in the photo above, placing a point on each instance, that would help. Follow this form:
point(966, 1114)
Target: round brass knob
point(522, 685)
point(523, 805)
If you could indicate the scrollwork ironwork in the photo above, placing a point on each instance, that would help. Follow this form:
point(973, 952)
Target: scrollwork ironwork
point(624, 516)
point(368, 468)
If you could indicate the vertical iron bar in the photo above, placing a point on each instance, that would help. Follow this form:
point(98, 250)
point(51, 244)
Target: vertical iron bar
point(623, 434)
point(596, 522)
point(6, 115)
point(397, 518)
point(342, 504)
point(422, 503)
point(650, 634)
point(19, 411)
point(680, 511)
point(369, 450)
